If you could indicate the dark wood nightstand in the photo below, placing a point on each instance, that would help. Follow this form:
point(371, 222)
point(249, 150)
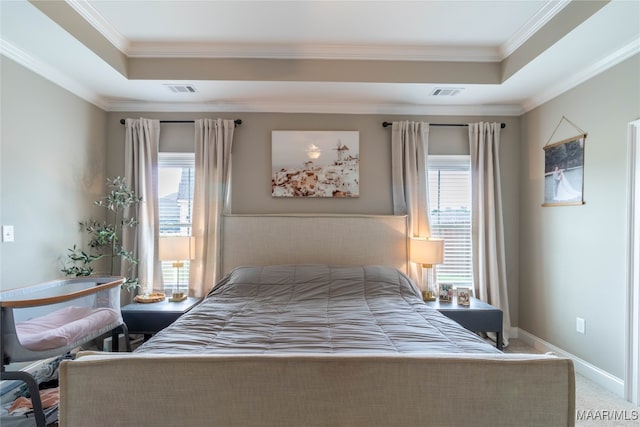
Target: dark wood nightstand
point(150, 318)
point(477, 317)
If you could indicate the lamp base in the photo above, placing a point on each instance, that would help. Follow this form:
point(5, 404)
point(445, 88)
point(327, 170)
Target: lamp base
point(177, 297)
point(428, 296)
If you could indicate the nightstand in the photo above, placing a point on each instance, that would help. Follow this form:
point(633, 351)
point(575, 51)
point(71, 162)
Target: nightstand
point(150, 318)
point(477, 317)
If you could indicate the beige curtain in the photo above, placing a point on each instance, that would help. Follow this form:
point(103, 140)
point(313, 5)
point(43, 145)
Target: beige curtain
point(142, 138)
point(489, 269)
point(213, 142)
point(410, 190)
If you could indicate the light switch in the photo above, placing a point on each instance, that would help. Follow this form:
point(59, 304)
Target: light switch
point(7, 233)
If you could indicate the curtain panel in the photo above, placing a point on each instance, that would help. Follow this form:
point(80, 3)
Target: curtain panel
point(142, 138)
point(409, 174)
point(211, 199)
point(489, 268)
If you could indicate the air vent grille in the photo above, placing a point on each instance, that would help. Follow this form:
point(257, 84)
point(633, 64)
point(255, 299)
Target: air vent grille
point(182, 88)
point(446, 91)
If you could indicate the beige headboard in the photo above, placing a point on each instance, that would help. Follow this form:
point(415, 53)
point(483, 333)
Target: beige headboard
point(314, 239)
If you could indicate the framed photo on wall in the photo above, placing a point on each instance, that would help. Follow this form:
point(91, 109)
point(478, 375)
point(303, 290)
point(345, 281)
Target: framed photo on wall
point(564, 172)
point(315, 163)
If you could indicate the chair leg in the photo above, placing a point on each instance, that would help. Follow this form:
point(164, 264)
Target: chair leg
point(32, 385)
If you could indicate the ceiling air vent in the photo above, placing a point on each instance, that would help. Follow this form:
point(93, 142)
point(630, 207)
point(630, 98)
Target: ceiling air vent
point(446, 91)
point(181, 88)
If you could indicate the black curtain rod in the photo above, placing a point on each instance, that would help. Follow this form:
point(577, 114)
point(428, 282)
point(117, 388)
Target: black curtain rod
point(387, 124)
point(237, 122)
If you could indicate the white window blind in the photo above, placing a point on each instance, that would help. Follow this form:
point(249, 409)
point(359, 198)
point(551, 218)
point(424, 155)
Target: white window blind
point(450, 215)
point(176, 172)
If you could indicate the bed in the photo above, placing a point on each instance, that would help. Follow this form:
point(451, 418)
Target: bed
point(316, 324)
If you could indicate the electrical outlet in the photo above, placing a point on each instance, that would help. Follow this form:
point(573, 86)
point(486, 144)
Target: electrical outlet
point(580, 325)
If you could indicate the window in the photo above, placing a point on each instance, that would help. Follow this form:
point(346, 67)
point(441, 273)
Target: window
point(450, 215)
point(176, 173)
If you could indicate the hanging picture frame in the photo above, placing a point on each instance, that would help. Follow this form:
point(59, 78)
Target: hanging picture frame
point(564, 170)
point(315, 164)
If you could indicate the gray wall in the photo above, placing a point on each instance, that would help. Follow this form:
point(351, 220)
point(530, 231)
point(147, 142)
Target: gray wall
point(52, 156)
point(572, 258)
point(251, 176)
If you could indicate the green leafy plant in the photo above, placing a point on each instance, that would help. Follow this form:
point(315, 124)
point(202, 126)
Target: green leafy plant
point(105, 237)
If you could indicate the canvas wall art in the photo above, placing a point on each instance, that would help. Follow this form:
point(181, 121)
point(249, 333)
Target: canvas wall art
point(315, 163)
point(564, 172)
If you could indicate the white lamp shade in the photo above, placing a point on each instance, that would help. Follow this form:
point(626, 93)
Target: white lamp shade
point(426, 251)
point(176, 248)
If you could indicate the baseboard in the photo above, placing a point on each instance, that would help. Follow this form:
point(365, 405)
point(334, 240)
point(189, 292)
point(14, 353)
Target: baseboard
point(582, 367)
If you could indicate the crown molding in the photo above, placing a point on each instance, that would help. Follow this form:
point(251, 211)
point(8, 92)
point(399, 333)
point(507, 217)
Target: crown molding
point(550, 9)
point(52, 74)
point(319, 108)
point(313, 51)
point(582, 75)
point(97, 21)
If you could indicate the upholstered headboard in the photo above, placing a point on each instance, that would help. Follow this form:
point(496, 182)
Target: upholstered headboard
point(314, 239)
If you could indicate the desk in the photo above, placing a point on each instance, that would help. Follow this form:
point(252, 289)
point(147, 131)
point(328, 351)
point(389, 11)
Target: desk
point(477, 317)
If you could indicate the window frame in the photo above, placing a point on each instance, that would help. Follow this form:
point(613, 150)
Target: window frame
point(457, 266)
point(176, 160)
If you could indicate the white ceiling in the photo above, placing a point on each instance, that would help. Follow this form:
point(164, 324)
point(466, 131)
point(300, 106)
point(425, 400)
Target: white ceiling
point(430, 32)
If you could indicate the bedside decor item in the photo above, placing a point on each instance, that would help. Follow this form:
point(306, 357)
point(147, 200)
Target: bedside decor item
point(446, 292)
point(315, 163)
point(105, 238)
point(149, 298)
point(564, 170)
point(177, 249)
point(427, 253)
point(464, 296)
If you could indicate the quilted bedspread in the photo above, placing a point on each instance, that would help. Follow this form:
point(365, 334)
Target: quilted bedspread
point(314, 309)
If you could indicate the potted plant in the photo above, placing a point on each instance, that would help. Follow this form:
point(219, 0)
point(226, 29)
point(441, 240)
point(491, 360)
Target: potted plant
point(105, 237)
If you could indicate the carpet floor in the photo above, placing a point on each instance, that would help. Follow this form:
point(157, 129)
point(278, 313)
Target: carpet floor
point(595, 406)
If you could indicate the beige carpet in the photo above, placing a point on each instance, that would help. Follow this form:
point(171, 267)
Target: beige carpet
point(595, 406)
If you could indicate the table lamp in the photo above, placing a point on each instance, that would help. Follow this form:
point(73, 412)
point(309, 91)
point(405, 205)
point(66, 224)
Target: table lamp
point(427, 253)
point(177, 249)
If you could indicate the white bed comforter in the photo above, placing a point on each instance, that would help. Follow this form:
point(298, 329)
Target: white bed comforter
point(314, 309)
